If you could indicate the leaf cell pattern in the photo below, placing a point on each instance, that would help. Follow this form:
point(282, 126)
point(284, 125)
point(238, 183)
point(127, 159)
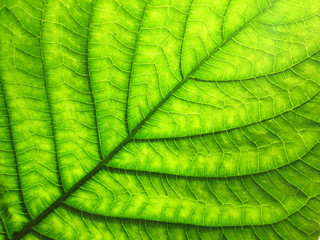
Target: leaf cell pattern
point(149, 119)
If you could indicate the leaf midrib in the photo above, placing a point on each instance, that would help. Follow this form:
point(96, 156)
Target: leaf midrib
point(65, 195)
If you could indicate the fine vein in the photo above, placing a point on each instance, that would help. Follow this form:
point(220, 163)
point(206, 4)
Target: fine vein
point(64, 196)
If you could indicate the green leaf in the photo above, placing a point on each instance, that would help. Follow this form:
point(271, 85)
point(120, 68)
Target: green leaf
point(171, 119)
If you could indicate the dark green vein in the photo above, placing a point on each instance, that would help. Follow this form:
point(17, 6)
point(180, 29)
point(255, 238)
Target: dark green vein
point(4, 227)
point(28, 227)
point(223, 21)
point(80, 213)
point(280, 167)
point(89, 79)
point(14, 151)
point(229, 129)
point(48, 96)
point(132, 63)
point(183, 38)
point(260, 76)
point(40, 235)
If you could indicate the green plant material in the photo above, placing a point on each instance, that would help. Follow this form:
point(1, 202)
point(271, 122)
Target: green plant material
point(171, 119)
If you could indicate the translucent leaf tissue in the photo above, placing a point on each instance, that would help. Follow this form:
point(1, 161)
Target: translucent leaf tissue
point(160, 119)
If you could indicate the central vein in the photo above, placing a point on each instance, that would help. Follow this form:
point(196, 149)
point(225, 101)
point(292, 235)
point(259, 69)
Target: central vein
point(65, 195)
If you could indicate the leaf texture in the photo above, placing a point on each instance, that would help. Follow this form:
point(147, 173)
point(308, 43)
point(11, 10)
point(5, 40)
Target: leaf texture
point(171, 119)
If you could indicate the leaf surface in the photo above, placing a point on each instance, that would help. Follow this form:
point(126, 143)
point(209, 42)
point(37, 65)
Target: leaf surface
point(159, 119)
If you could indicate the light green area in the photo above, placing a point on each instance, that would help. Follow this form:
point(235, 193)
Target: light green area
point(162, 119)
